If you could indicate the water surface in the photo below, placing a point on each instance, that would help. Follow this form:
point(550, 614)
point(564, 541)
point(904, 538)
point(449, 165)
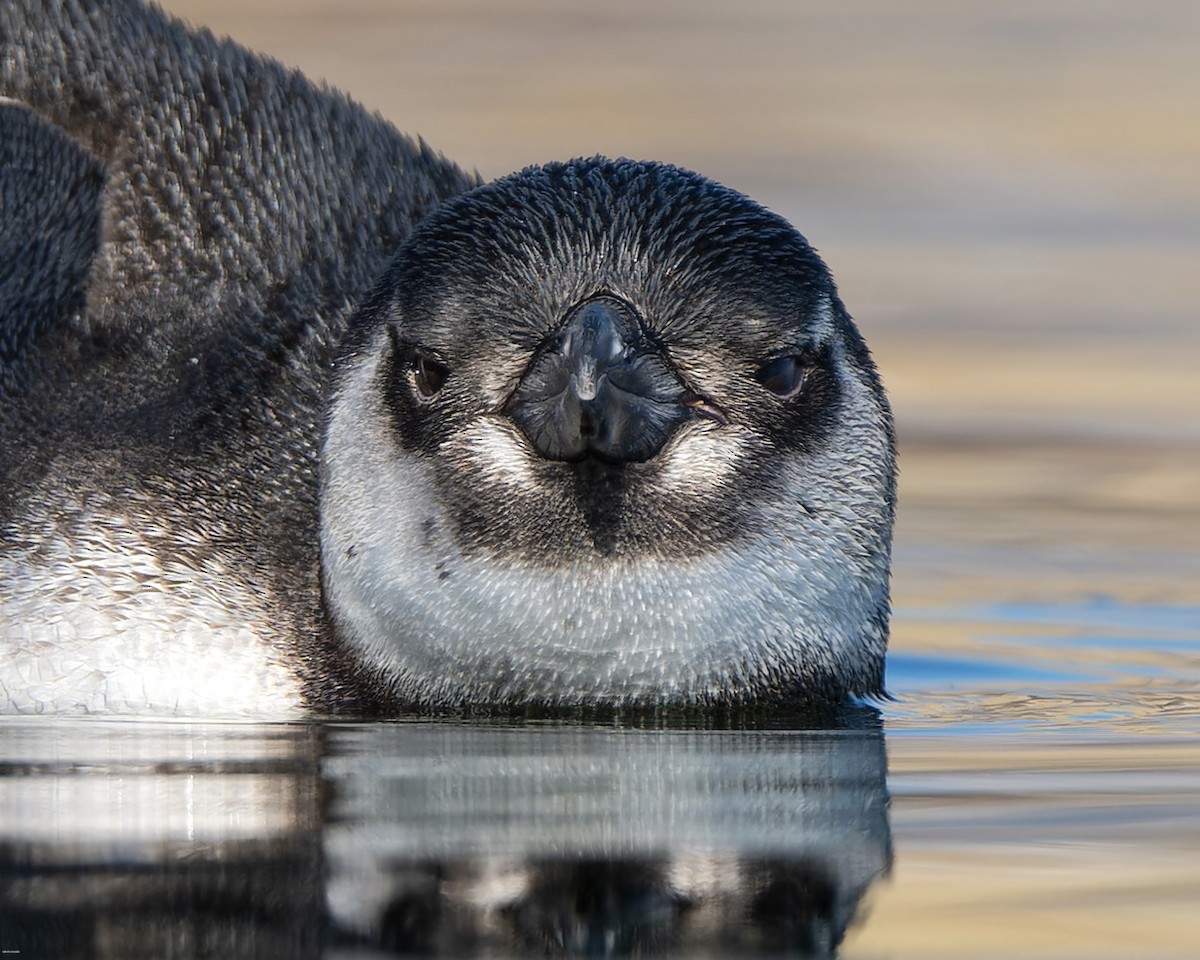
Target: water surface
point(1036, 792)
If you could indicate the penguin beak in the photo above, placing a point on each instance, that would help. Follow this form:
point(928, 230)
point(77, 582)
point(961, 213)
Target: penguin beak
point(597, 386)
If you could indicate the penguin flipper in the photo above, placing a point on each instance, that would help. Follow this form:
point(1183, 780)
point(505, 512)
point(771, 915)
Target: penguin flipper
point(238, 191)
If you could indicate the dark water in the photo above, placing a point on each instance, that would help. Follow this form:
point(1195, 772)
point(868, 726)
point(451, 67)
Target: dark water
point(1039, 796)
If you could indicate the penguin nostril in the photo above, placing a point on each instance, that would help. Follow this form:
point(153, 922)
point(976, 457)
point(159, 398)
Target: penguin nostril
point(705, 408)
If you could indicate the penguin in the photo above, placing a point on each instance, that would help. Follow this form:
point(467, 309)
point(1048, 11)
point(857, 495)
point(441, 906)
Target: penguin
point(298, 417)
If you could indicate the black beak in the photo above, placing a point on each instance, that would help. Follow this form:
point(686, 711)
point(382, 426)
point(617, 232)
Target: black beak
point(599, 387)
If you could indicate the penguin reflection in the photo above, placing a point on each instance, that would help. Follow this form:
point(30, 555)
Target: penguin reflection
point(622, 907)
point(593, 842)
point(435, 840)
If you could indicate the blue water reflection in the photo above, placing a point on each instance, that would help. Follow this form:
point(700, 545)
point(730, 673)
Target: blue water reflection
point(907, 671)
point(1097, 667)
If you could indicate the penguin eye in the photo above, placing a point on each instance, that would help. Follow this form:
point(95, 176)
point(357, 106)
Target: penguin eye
point(428, 376)
point(783, 376)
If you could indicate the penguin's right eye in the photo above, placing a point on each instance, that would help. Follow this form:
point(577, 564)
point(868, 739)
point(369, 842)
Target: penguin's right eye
point(428, 376)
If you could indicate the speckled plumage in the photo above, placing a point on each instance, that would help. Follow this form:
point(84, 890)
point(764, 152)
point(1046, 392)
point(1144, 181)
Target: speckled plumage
point(203, 222)
point(170, 352)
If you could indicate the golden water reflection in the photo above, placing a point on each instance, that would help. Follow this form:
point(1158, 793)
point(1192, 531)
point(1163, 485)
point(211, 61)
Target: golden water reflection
point(1077, 846)
point(438, 839)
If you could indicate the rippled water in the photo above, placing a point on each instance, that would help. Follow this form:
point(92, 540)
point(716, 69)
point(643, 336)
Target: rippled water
point(1046, 789)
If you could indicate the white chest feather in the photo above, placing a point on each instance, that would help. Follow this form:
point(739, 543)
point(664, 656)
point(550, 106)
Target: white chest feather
point(99, 623)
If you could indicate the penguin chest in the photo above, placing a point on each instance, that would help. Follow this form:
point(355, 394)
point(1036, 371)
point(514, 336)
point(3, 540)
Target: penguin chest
point(99, 622)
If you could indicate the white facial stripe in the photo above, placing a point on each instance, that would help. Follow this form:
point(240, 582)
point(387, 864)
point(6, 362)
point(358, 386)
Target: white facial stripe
point(702, 458)
point(500, 453)
point(821, 322)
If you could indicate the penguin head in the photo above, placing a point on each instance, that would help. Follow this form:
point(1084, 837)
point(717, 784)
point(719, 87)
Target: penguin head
point(605, 432)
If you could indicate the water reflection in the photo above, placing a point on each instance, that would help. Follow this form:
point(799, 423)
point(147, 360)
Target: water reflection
point(598, 842)
point(139, 840)
point(163, 840)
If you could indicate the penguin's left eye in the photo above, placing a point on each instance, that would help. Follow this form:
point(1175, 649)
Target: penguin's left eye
point(783, 376)
point(428, 376)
